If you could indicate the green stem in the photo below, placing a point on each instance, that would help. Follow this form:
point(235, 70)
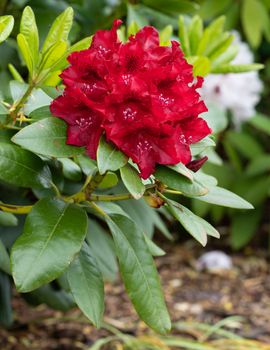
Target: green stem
point(110, 198)
point(93, 184)
point(15, 209)
point(19, 104)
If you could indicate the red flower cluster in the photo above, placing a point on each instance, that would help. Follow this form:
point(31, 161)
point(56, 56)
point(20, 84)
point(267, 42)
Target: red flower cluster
point(141, 95)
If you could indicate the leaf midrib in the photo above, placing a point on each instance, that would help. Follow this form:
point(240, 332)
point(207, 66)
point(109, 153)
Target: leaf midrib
point(46, 242)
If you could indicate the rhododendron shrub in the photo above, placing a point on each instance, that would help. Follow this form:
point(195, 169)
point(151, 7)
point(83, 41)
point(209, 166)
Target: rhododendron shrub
point(86, 188)
point(141, 95)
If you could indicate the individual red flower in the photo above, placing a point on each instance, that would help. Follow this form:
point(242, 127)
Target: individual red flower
point(141, 95)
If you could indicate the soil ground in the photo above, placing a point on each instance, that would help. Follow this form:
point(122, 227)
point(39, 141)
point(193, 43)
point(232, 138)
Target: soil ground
point(191, 296)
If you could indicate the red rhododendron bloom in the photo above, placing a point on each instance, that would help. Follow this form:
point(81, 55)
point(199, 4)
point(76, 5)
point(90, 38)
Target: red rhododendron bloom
point(142, 96)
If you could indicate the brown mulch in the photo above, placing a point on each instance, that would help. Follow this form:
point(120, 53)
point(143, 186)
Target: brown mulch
point(190, 295)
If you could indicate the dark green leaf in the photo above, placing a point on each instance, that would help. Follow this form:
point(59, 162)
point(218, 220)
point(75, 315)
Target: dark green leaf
point(47, 137)
point(6, 317)
point(86, 285)
point(71, 170)
point(103, 249)
point(139, 273)
point(22, 168)
point(4, 259)
point(243, 227)
point(52, 236)
point(261, 122)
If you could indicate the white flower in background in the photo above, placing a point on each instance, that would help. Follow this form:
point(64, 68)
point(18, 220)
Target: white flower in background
point(237, 92)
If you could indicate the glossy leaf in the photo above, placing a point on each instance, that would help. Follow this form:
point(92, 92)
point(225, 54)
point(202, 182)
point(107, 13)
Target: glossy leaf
point(53, 234)
point(87, 286)
point(25, 52)
point(6, 26)
point(188, 220)
point(59, 30)
point(225, 198)
point(132, 181)
point(29, 30)
point(53, 55)
point(201, 146)
point(109, 158)
point(180, 183)
point(71, 170)
point(47, 137)
point(102, 247)
point(139, 273)
point(22, 168)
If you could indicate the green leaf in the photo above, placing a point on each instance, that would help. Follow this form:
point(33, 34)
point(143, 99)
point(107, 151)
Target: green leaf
point(8, 219)
point(25, 52)
point(28, 29)
point(38, 98)
point(251, 16)
point(188, 220)
point(216, 118)
point(49, 295)
point(243, 227)
point(6, 317)
point(180, 183)
point(53, 55)
point(71, 170)
point(202, 145)
point(48, 138)
point(236, 68)
point(87, 286)
point(154, 249)
point(109, 180)
point(15, 74)
point(53, 234)
point(183, 36)
point(165, 35)
point(132, 181)
point(261, 122)
point(210, 34)
point(195, 31)
point(4, 259)
point(22, 168)
point(139, 273)
point(225, 198)
point(183, 170)
point(102, 247)
point(40, 113)
point(6, 26)
point(59, 30)
point(258, 165)
point(244, 143)
point(109, 158)
point(87, 165)
point(201, 65)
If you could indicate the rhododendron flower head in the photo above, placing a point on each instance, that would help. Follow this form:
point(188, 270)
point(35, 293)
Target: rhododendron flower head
point(142, 96)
